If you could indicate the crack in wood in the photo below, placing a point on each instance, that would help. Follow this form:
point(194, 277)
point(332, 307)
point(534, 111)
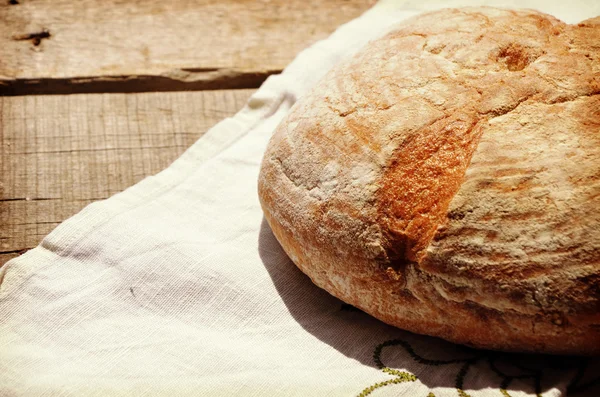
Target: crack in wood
point(17, 251)
point(188, 79)
point(188, 46)
point(35, 37)
point(199, 70)
point(67, 200)
point(85, 178)
point(107, 149)
point(27, 199)
point(33, 223)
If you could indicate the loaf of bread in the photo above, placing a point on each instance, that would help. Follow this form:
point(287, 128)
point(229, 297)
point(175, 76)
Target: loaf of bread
point(446, 180)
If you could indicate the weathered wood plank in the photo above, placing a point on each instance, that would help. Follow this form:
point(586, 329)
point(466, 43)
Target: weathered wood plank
point(66, 46)
point(59, 153)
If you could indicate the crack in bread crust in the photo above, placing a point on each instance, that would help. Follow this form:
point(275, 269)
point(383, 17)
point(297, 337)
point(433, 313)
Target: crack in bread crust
point(446, 180)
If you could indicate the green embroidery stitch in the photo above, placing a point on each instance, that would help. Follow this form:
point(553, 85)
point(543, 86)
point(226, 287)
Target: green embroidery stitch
point(462, 393)
point(406, 346)
point(372, 388)
point(401, 376)
point(405, 375)
point(532, 374)
point(536, 375)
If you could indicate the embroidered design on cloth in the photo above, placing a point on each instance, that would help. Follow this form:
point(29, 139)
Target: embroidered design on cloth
point(507, 366)
point(579, 364)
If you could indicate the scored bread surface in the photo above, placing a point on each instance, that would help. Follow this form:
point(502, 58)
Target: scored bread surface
point(446, 180)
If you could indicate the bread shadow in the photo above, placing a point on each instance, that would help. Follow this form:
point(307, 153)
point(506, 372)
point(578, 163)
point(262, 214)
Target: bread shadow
point(435, 362)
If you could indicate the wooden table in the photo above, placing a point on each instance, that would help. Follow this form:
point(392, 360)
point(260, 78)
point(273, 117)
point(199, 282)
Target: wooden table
point(96, 95)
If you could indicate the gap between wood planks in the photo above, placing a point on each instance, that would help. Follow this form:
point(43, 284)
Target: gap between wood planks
point(90, 46)
point(59, 153)
point(180, 80)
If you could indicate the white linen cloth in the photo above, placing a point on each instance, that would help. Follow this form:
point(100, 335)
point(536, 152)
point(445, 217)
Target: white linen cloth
point(177, 287)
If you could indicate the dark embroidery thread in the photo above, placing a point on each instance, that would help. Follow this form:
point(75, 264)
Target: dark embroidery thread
point(492, 358)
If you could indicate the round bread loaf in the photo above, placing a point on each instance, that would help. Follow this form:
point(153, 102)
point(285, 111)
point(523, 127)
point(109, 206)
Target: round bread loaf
point(446, 180)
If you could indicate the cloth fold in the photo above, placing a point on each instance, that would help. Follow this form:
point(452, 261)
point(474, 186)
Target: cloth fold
point(177, 286)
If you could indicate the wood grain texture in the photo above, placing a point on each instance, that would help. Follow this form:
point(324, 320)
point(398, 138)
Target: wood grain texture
point(66, 46)
point(60, 153)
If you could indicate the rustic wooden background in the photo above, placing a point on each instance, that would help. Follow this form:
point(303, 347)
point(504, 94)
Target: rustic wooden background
point(97, 94)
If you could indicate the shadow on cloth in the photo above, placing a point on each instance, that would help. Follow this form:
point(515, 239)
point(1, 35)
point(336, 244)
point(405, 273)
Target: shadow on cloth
point(401, 354)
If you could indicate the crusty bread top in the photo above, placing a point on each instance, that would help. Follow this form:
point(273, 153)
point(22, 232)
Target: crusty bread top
point(465, 144)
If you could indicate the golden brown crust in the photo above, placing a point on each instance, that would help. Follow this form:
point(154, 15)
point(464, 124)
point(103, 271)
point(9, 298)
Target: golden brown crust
point(525, 224)
point(447, 180)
